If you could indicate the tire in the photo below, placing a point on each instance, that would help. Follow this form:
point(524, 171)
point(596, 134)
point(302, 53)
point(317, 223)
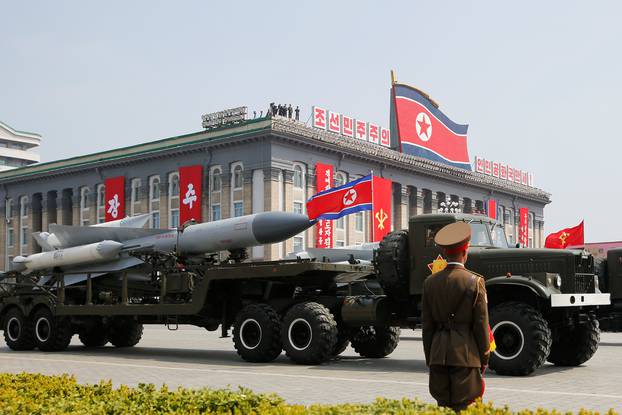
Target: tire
point(575, 345)
point(18, 330)
point(375, 341)
point(94, 335)
point(522, 336)
point(125, 332)
point(393, 262)
point(309, 333)
point(343, 340)
point(257, 333)
point(52, 334)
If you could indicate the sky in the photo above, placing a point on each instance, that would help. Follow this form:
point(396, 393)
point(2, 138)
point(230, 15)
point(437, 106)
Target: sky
point(539, 83)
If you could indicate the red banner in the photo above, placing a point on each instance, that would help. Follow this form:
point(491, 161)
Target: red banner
point(523, 227)
point(492, 208)
point(566, 237)
point(324, 228)
point(115, 198)
point(190, 180)
point(381, 210)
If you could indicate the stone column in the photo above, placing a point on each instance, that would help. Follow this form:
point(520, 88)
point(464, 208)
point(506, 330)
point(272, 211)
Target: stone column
point(419, 201)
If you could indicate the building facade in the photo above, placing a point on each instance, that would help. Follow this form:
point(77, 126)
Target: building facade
point(265, 164)
point(17, 148)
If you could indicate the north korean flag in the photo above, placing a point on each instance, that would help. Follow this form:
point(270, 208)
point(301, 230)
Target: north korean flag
point(424, 131)
point(355, 196)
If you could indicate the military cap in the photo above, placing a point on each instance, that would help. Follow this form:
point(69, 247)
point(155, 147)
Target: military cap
point(454, 237)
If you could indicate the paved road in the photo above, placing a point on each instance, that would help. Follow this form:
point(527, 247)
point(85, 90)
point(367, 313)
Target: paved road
point(195, 358)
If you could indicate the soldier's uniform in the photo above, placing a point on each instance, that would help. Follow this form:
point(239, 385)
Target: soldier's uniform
point(455, 325)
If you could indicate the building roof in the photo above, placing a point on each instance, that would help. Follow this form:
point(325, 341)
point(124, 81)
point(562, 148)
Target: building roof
point(18, 133)
point(284, 128)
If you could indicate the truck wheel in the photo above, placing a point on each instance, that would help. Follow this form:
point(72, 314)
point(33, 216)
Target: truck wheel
point(257, 333)
point(375, 341)
point(575, 345)
point(18, 330)
point(522, 336)
point(392, 262)
point(94, 335)
point(125, 332)
point(309, 333)
point(52, 334)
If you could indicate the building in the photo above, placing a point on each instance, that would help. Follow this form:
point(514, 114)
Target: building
point(17, 148)
point(264, 164)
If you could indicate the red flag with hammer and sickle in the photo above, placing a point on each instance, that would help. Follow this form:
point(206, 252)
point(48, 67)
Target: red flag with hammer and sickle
point(566, 237)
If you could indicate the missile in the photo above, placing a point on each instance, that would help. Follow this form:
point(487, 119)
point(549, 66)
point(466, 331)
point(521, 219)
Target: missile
point(137, 221)
point(86, 254)
point(242, 232)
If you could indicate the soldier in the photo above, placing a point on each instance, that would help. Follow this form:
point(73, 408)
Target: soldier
point(455, 323)
point(289, 111)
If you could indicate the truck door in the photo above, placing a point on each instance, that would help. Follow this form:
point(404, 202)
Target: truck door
point(425, 253)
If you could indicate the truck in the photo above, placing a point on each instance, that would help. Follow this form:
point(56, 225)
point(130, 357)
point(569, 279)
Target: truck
point(543, 303)
point(609, 272)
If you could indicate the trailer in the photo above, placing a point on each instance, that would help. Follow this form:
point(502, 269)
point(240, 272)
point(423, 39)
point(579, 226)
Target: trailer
point(308, 308)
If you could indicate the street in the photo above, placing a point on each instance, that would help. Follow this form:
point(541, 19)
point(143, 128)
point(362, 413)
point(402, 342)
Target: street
point(192, 357)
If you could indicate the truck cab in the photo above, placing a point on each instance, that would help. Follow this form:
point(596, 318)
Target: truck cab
point(542, 302)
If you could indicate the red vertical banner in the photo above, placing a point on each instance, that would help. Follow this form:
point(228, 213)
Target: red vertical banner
point(324, 228)
point(381, 208)
point(523, 226)
point(115, 198)
point(492, 208)
point(190, 180)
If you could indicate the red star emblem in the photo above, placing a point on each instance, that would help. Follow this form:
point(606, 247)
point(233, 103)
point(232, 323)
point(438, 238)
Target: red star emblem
point(424, 126)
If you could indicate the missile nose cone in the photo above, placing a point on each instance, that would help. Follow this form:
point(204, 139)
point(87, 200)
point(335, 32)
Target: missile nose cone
point(109, 249)
point(271, 227)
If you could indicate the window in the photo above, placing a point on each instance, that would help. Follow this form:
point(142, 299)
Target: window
point(9, 209)
point(238, 209)
point(154, 201)
point(84, 207)
point(101, 203)
point(134, 196)
point(173, 200)
point(531, 229)
point(216, 182)
point(358, 221)
point(430, 233)
point(298, 243)
point(298, 176)
point(10, 237)
point(509, 222)
point(238, 178)
point(298, 207)
point(216, 212)
point(339, 244)
point(23, 224)
point(501, 214)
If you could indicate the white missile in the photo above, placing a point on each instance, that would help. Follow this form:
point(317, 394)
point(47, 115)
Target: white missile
point(69, 257)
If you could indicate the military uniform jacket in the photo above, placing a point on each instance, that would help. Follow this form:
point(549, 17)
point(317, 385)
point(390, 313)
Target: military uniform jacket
point(462, 340)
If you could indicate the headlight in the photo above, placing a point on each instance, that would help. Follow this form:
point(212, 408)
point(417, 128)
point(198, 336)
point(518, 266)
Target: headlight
point(558, 281)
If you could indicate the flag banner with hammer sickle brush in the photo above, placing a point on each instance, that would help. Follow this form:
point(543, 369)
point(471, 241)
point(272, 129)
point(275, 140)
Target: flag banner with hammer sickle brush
point(566, 237)
point(381, 210)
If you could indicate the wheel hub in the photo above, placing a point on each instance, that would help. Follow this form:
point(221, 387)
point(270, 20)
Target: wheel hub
point(300, 334)
point(250, 333)
point(43, 329)
point(14, 329)
point(509, 339)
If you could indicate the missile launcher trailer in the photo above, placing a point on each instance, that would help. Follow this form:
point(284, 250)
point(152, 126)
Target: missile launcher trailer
point(301, 306)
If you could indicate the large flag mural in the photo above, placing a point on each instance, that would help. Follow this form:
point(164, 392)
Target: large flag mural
point(424, 131)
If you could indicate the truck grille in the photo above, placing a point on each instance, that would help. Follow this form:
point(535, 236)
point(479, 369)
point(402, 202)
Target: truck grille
point(584, 283)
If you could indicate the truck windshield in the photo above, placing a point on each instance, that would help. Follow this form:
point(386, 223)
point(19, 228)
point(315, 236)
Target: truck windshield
point(480, 235)
point(498, 235)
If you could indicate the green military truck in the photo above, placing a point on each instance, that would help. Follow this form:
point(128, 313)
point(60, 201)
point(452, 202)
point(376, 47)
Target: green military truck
point(543, 303)
point(609, 271)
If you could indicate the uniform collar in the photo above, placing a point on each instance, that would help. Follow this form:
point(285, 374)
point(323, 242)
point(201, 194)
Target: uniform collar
point(456, 264)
